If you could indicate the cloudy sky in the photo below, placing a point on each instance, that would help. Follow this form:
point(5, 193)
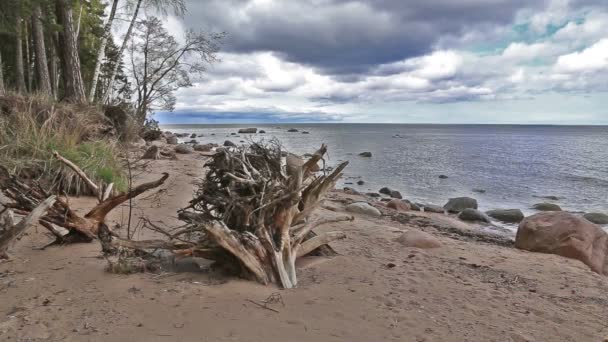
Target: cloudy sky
point(406, 61)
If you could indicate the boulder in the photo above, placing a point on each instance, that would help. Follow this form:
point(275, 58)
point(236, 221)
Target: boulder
point(153, 152)
point(373, 194)
point(363, 208)
point(360, 182)
point(597, 218)
point(443, 177)
point(229, 143)
point(547, 207)
point(351, 191)
point(418, 239)
point(203, 148)
point(396, 194)
point(431, 208)
point(172, 140)
point(262, 131)
point(365, 154)
point(385, 191)
point(567, 235)
point(398, 205)
point(292, 130)
point(413, 206)
point(458, 204)
point(506, 215)
point(305, 132)
point(250, 130)
point(184, 149)
point(473, 215)
point(193, 135)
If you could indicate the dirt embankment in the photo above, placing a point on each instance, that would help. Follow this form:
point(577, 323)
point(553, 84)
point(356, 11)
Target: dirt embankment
point(469, 289)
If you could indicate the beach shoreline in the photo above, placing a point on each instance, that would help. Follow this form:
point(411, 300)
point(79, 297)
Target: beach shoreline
point(375, 289)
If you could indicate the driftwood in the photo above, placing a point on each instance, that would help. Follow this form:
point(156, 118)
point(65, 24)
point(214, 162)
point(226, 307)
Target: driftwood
point(60, 219)
point(9, 231)
point(251, 214)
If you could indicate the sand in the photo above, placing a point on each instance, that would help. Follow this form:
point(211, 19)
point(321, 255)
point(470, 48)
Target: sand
point(375, 290)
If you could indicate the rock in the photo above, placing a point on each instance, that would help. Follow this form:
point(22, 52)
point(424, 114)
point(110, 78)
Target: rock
point(385, 191)
point(172, 140)
point(398, 205)
point(418, 239)
point(566, 235)
point(248, 130)
point(597, 218)
point(200, 136)
point(431, 208)
point(547, 207)
point(443, 177)
point(153, 152)
point(229, 143)
point(193, 135)
point(305, 132)
point(365, 154)
point(363, 208)
point(396, 194)
point(292, 130)
point(470, 214)
point(139, 143)
point(351, 191)
point(232, 133)
point(506, 215)
point(413, 206)
point(458, 204)
point(479, 191)
point(184, 149)
point(373, 194)
point(360, 182)
point(203, 148)
point(193, 142)
point(262, 131)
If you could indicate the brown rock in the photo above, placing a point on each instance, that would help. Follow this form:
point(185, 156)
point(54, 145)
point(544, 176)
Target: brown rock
point(418, 239)
point(152, 153)
point(398, 205)
point(566, 235)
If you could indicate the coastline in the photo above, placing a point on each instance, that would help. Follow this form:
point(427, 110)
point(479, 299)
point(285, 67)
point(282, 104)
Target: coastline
point(375, 289)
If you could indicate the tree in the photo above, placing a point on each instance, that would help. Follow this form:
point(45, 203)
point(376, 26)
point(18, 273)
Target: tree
point(44, 80)
point(2, 90)
point(179, 8)
point(107, 32)
point(160, 65)
point(19, 71)
point(70, 60)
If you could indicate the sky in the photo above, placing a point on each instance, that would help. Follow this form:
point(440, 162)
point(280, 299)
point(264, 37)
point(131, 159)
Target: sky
point(399, 61)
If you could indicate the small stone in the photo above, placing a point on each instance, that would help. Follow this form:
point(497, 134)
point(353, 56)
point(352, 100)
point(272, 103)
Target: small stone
point(365, 154)
point(443, 177)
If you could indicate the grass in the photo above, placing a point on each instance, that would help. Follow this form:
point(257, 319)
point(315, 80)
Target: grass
point(32, 127)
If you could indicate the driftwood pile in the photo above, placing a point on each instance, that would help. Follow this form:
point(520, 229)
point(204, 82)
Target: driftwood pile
point(250, 214)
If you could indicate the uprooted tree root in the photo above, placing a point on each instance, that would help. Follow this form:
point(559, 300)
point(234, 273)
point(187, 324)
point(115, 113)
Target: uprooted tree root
point(61, 220)
point(250, 213)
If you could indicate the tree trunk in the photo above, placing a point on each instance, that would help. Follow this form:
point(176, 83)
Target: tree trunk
point(107, 31)
point(1, 77)
point(120, 52)
point(44, 80)
point(78, 24)
point(19, 71)
point(70, 61)
point(28, 58)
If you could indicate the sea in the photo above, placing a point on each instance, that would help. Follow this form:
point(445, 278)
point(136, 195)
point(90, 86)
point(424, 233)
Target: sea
point(502, 166)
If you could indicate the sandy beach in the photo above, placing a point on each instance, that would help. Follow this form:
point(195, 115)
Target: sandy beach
point(375, 289)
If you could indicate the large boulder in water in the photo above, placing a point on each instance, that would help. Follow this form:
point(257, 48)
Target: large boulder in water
point(470, 214)
point(597, 218)
point(458, 204)
point(566, 235)
point(363, 208)
point(250, 130)
point(365, 154)
point(506, 215)
point(547, 207)
point(418, 239)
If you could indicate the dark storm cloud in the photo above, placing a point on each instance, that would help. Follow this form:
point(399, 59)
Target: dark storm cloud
point(347, 37)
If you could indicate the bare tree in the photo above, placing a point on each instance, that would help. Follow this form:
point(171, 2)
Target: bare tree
point(160, 65)
point(179, 8)
point(107, 31)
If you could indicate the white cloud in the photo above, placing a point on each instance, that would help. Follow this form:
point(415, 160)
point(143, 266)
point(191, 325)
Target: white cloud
point(591, 59)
